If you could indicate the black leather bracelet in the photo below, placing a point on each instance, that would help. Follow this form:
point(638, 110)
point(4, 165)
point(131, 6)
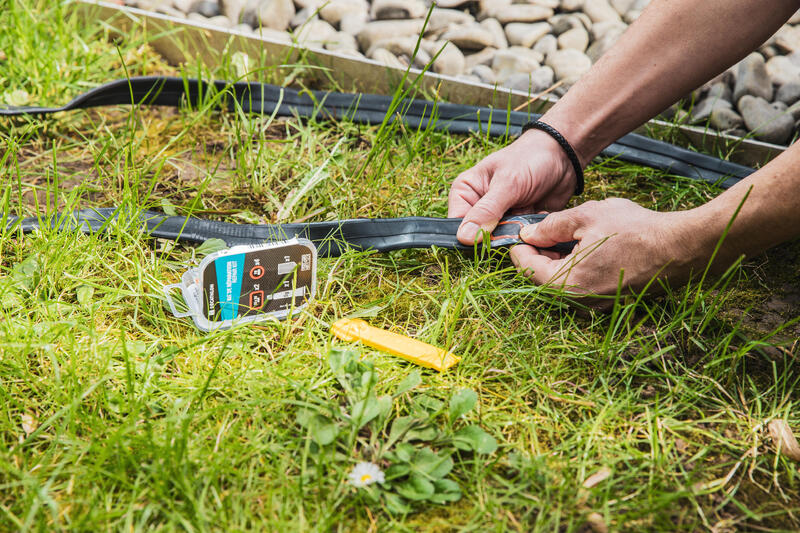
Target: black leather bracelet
point(571, 155)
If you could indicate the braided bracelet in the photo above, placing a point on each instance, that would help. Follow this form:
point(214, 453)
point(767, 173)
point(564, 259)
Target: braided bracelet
point(573, 157)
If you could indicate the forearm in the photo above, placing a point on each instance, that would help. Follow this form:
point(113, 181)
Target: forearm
point(675, 46)
point(769, 215)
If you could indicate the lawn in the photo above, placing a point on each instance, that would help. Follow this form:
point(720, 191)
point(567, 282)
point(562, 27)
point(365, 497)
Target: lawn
point(116, 415)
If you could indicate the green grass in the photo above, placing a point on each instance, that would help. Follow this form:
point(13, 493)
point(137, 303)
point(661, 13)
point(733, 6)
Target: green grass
point(117, 416)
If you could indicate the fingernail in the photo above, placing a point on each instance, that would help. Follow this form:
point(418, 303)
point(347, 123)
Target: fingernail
point(527, 232)
point(468, 232)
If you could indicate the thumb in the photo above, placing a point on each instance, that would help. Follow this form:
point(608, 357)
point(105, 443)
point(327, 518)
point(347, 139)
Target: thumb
point(555, 228)
point(484, 215)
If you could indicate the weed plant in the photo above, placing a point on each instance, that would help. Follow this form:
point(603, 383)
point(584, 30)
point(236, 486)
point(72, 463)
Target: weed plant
point(116, 415)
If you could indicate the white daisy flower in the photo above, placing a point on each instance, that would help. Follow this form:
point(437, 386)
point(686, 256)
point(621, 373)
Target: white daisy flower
point(364, 474)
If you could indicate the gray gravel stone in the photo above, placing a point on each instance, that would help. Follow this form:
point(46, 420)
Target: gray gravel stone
point(316, 33)
point(787, 39)
point(576, 39)
point(514, 60)
point(600, 11)
point(342, 42)
point(387, 58)
point(450, 61)
point(273, 14)
point(564, 22)
point(571, 5)
point(720, 90)
point(522, 13)
point(484, 57)
point(441, 19)
point(522, 34)
point(768, 122)
point(498, 34)
point(782, 70)
point(485, 73)
point(546, 45)
point(703, 109)
point(470, 37)
point(207, 8)
point(609, 34)
point(398, 9)
point(353, 23)
point(569, 65)
point(542, 78)
point(232, 9)
point(752, 78)
point(334, 11)
point(622, 6)
point(375, 31)
point(788, 93)
point(725, 119)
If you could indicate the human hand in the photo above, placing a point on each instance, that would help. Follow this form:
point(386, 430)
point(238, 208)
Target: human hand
point(532, 174)
point(614, 236)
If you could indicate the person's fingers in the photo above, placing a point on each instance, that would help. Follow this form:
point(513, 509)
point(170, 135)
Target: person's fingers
point(532, 264)
point(484, 215)
point(561, 226)
point(464, 193)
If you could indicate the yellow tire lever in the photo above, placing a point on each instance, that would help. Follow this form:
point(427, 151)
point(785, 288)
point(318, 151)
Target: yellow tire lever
point(412, 350)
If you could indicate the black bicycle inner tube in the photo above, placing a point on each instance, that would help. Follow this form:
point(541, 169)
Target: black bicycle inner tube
point(331, 238)
point(268, 99)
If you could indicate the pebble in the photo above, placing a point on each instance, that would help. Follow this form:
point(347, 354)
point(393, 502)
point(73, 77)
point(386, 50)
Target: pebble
point(571, 5)
point(522, 13)
point(601, 11)
point(515, 60)
point(752, 78)
point(441, 19)
point(303, 16)
point(232, 9)
point(398, 9)
point(788, 93)
point(569, 65)
point(274, 14)
point(353, 23)
point(519, 81)
point(563, 22)
point(485, 73)
point(768, 122)
point(523, 34)
point(725, 119)
point(622, 6)
point(374, 31)
point(782, 70)
point(450, 61)
point(546, 45)
point(600, 47)
point(316, 33)
point(720, 90)
point(498, 34)
point(542, 79)
point(576, 38)
point(484, 57)
point(470, 37)
point(342, 42)
point(387, 58)
point(334, 11)
point(403, 47)
point(207, 8)
point(704, 108)
point(787, 38)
